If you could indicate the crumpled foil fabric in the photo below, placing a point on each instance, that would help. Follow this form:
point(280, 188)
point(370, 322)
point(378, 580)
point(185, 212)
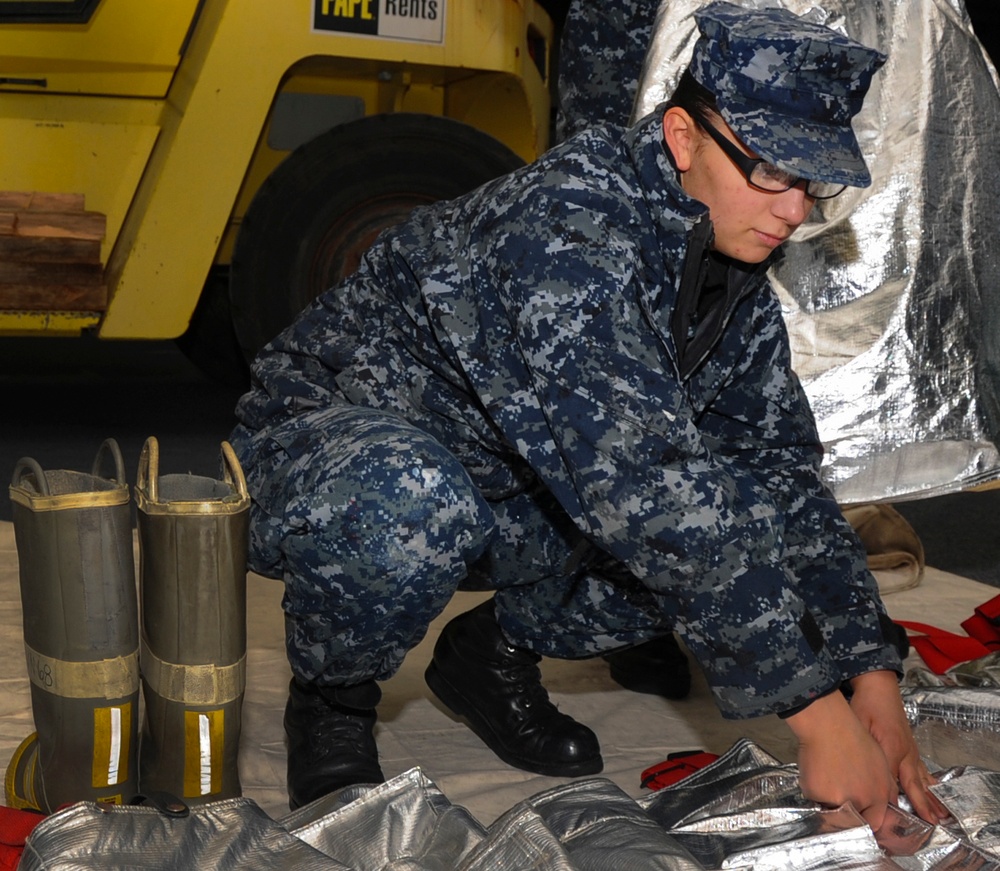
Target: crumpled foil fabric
point(973, 797)
point(892, 293)
point(982, 672)
point(744, 811)
point(954, 724)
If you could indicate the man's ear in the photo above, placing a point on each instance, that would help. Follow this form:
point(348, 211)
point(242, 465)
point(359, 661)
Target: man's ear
point(680, 134)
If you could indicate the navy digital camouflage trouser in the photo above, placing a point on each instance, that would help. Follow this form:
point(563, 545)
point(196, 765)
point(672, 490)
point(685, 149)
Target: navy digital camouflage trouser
point(373, 525)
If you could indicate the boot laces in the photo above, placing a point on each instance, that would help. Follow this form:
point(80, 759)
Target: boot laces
point(525, 680)
point(334, 729)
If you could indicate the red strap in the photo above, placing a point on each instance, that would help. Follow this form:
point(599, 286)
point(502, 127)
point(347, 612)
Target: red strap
point(15, 826)
point(983, 630)
point(940, 649)
point(990, 610)
point(676, 767)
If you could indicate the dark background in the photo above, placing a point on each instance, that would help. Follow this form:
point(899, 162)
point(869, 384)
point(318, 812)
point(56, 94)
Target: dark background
point(62, 397)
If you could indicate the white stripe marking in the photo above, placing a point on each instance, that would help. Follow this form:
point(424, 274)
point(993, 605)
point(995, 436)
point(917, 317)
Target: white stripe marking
point(114, 762)
point(205, 748)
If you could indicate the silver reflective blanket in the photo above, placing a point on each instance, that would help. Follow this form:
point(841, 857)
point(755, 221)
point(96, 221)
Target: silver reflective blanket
point(892, 293)
point(954, 724)
point(742, 812)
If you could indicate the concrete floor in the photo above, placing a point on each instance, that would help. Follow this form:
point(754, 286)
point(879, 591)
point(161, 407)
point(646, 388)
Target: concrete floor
point(635, 730)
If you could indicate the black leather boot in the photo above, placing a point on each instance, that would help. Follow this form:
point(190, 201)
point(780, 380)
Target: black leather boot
point(658, 667)
point(497, 688)
point(331, 741)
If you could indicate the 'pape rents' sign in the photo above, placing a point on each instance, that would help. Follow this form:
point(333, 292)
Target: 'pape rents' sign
point(418, 20)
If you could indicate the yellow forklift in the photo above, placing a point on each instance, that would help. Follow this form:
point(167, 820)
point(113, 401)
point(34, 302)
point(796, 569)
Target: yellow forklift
point(201, 169)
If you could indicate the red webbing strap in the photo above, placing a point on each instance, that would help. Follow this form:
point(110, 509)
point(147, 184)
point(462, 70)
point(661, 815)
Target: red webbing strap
point(983, 630)
point(15, 826)
point(941, 649)
point(985, 623)
point(990, 610)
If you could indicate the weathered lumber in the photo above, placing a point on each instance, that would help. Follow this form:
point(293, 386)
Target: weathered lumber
point(53, 297)
point(50, 253)
point(39, 249)
point(43, 201)
point(65, 225)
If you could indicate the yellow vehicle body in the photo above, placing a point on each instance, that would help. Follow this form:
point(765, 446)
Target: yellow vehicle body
point(167, 115)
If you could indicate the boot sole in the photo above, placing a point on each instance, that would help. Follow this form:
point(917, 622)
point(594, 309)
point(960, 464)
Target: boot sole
point(462, 708)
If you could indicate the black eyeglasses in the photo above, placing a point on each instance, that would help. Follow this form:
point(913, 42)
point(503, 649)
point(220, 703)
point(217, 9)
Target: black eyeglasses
point(766, 176)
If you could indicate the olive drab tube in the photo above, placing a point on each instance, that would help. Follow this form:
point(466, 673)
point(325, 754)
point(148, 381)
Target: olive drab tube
point(193, 534)
point(73, 533)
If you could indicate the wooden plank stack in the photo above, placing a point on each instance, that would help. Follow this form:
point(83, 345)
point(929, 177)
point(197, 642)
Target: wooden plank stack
point(50, 253)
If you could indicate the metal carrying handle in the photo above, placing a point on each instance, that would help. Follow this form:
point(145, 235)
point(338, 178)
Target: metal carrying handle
point(147, 478)
point(27, 464)
point(232, 472)
point(148, 481)
point(109, 447)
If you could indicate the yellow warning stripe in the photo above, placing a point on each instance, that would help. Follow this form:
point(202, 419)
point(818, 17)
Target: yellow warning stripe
point(194, 684)
point(113, 678)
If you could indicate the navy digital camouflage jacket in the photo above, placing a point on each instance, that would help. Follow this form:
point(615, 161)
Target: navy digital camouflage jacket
point(528, 326)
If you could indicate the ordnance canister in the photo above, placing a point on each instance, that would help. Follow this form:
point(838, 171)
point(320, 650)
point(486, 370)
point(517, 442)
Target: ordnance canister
point(192, 586)
point(77, 576)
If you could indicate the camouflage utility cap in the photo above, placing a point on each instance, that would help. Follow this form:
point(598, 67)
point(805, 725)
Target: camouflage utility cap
point(787, 87)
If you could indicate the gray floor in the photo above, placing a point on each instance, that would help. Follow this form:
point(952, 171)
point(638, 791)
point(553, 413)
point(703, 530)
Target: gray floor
point(62, 397)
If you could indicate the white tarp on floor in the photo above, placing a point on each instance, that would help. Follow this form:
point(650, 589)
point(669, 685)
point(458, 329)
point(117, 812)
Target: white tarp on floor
point(636, 731)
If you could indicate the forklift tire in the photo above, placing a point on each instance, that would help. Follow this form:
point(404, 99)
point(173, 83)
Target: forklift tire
point(316, 214)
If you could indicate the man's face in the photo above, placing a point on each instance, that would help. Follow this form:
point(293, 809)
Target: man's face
point(749, 223)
